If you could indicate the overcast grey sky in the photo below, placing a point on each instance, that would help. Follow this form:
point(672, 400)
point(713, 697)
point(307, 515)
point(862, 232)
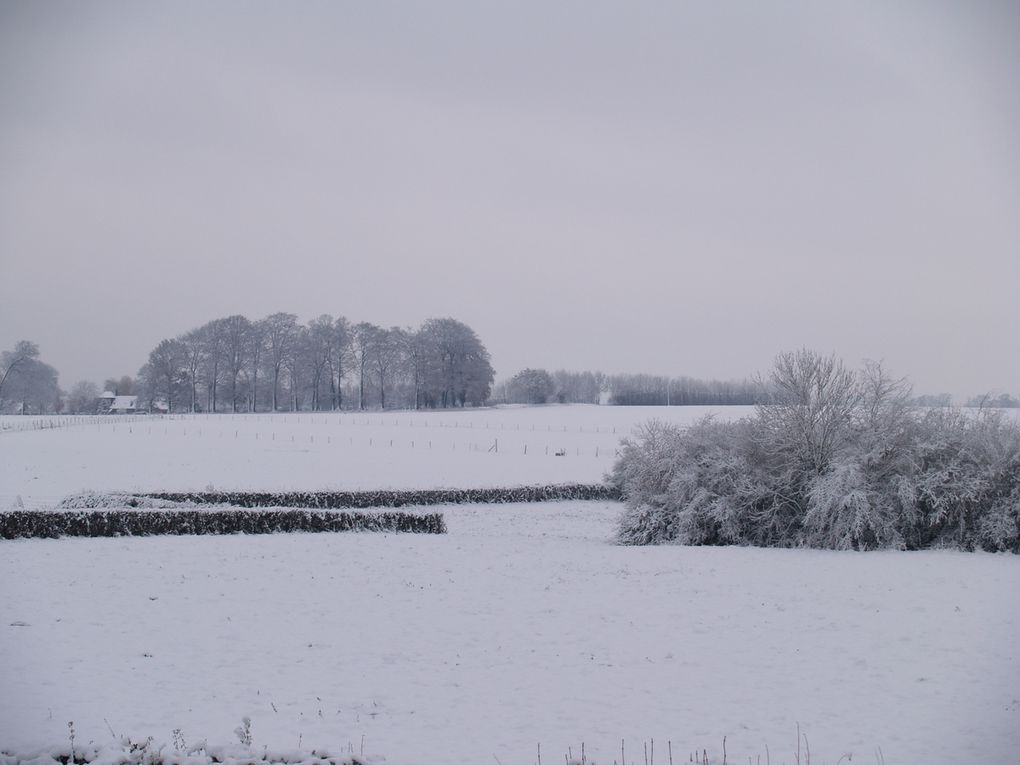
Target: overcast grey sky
point(681, 188)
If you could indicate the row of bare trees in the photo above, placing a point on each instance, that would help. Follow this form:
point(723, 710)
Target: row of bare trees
point(277, 363)
point(538, 386)
point(655, 390)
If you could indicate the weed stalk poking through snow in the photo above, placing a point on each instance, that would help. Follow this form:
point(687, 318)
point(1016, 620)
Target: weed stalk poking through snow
point(243, 731)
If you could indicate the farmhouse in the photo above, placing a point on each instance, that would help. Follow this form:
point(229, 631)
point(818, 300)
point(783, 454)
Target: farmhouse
point(111, 403)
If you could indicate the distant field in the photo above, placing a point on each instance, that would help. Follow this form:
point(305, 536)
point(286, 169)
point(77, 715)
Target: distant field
point(54, 456)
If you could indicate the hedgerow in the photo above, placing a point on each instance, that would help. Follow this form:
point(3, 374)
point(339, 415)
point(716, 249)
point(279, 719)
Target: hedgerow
point(123, 522)
point(392, 498)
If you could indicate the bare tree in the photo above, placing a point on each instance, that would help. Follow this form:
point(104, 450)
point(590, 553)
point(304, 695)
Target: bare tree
point(387, 357)
point(83, 397)
point(363, 339)
point(10, 361)
point(461, 372)
point(256, 346)
point(320, 339)
point(339, 357)
point(281, 331)
point(35, 387)
point(214, 334)
point(195, 348)
point(122, 386)
point(167, 366)
point(297, 364)
point(811, 408)
point(530, 386)
point(236, 339)
point(416, 352)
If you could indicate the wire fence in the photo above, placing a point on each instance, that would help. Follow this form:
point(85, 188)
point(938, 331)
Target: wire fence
point(13, 423)
point(526, 439)
point(492, 445)
point(20, 424)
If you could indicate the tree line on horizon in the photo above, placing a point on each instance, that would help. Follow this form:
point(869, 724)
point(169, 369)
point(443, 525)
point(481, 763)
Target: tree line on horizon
point(276, 363)
point(539, 386)
point(234, 364)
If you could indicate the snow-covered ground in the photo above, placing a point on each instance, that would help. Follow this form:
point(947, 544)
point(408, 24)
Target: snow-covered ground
point(319, 451)
point(521, 626)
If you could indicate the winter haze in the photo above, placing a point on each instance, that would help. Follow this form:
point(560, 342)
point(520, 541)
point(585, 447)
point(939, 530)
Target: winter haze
point(668, 188)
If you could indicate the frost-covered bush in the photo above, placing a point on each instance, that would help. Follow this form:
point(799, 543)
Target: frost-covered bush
point(835, 459)
point(846, 509)
point(693, 486)
point(964, 490)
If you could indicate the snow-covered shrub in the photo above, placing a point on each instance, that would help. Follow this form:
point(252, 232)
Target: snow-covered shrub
point(965, 486)
point(846, 510)
point(688, 486)
point(998, 530)
point(835, 459)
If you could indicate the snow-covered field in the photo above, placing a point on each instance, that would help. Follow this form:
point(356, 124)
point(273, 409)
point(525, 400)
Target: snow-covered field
point(321, 451)
point(522, 626)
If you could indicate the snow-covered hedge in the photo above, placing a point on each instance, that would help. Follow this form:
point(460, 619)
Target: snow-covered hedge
point(231, 512)
point(117, 499)
point(836, 459)
point(392, 498)
point(122, 522)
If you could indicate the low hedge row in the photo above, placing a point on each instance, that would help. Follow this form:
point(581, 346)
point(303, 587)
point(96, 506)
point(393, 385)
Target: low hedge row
point(394, 498)
point(111, 523)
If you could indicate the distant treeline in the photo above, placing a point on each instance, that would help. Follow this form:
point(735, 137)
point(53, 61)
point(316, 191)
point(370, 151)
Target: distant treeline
point(235, 364)
point(538, 386)
point(276, 363)
point(650, 390)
